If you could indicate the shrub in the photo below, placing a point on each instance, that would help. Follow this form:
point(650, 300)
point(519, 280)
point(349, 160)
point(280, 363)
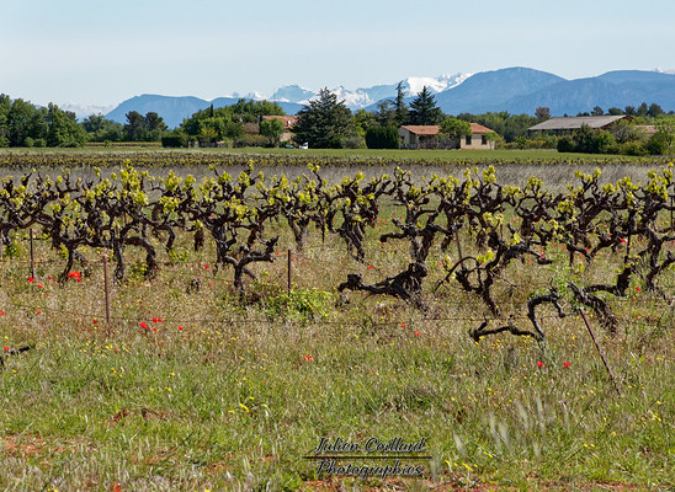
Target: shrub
point(175, 140)
point(382, 137)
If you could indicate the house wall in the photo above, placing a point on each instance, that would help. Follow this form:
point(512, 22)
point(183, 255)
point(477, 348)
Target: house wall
point(408, 140)
point(476, 142)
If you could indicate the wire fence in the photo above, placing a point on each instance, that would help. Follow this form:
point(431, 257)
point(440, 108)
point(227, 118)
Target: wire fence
point(288, 254)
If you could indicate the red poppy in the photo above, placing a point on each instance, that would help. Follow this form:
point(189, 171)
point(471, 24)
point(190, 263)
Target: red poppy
point(402, 325)
point(417, 333)
point(39, 312)
point(566, 364)
point(6, 348)
point(155, 330)
point(180, 328)
point(144, 325)
point(31, 279)
point(95, 320)
point(540, 363)
point(40, 286)
point(154, 320)
point(2, 313)
point(638, 288)
point(308, 358)
point(370, 267)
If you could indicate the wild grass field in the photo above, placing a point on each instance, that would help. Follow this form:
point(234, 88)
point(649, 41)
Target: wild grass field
point(202, 389)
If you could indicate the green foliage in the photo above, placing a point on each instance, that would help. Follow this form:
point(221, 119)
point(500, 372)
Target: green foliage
point(175, 139)
point(423, 109)
point(380, 137)
point(325, 122)
point(299, 305)
point(148, 128)
point(456, 128)
point(272, 129)
point(505, 124)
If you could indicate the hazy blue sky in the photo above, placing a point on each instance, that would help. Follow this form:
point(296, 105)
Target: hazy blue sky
point(102, 52)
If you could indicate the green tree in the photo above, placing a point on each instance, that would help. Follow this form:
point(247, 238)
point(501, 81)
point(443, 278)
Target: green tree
point(62, 130)
point(25, 121)
point(655, 110)
point(386, 113)
point(5, 108)
point(134, 130)
point(272, 129)
point(101, 129)
point(597, 111)
point(455, 128)
point(382, 137)
point(325, 122)
point(401, 110)
point(542, 113)
point(423, 109)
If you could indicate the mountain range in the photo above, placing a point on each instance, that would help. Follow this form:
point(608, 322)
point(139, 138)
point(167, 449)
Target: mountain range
point(516, 90)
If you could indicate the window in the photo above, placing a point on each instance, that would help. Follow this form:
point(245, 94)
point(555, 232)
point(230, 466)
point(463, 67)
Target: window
point(483, 140)
point(468, 140)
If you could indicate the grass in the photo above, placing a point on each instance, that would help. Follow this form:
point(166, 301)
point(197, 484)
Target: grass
point(433, 156)
point(226, 395)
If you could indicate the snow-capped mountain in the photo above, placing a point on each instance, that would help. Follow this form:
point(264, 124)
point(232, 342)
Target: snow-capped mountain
point(84, 110)
point(292, 93)
point(666, 71)
point(364, 97)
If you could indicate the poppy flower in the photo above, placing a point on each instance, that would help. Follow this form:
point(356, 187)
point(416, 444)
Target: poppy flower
point(2, 313)
point(30, 279)
point(540, 363)
point(40, 286)
point(566, 364)
point(144, 325)
point(417, 333)
point(95, 320)
point(180, 328)
point(308, 358)
point(39, 312)
point(638, 289)
point(6, 348)
point(402, 325)
point(370, 267)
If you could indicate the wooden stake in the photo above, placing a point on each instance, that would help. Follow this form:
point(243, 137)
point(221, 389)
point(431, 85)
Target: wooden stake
point(600, 351)
point(289, 271)
point(32, 256)
point(107, 296)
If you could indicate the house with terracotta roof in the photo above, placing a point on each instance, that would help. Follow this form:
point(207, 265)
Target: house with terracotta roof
point(429, 137)
point(288, 122)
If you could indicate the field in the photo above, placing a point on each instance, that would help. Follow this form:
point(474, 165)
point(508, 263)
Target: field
point(206, 384)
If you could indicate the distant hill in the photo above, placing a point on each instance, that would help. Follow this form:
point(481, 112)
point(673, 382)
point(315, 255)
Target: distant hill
point(490, 91)
point(516, 90)
point(175, 109)
point(613, 89)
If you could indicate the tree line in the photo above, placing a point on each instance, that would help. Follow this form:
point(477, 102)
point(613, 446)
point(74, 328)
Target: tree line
point(326, 122)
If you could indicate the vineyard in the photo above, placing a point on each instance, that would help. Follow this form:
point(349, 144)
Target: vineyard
point(308, 299)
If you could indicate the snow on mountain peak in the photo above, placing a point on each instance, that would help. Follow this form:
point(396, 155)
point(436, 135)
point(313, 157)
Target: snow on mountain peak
point(435, 84)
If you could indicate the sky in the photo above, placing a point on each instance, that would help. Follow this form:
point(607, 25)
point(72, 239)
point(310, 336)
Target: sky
point(99, 52)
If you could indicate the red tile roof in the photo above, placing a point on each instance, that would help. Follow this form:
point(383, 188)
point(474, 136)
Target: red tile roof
point(476, 128)
point(288, 121)
point(423, 129)
point(434, 129)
